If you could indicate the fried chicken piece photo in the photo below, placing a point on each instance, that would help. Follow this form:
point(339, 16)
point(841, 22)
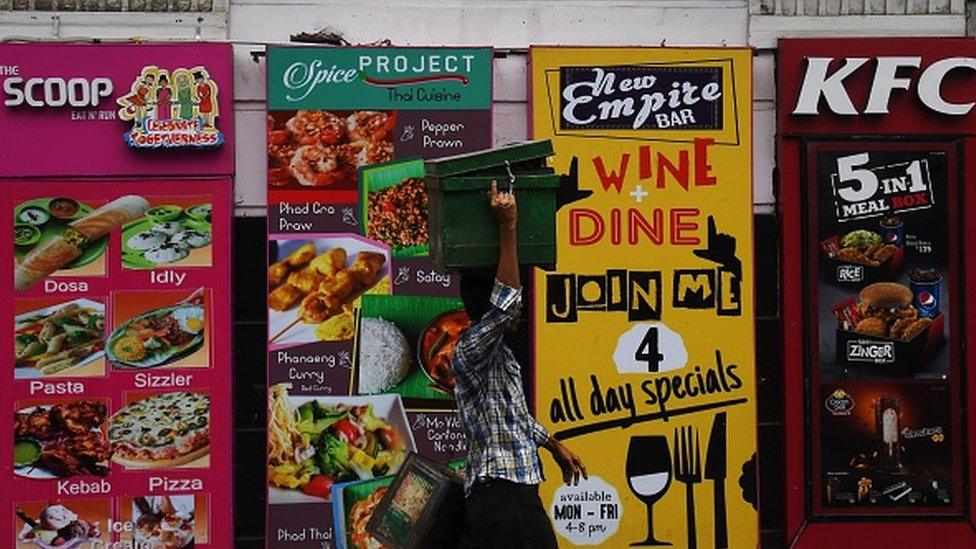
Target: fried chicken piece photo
point(80, 417)
point(873, 326)
point(78, 455)
point(915, 328)
point(898, 328)
point(36, 424)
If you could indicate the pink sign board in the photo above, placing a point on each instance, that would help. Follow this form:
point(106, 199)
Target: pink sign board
point(116, 198)
point(116, 110)
point(116, 324)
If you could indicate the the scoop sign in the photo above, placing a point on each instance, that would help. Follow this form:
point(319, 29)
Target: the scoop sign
point(56, 91)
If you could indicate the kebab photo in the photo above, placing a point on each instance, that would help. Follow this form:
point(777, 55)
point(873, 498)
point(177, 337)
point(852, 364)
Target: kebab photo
point(62, 440)
point(56, 253)
point(320, 284)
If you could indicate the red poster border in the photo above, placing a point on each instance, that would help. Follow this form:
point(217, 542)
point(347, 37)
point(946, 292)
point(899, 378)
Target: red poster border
point(907, 117)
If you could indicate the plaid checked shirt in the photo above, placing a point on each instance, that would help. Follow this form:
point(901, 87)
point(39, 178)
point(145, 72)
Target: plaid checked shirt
point(503, 437)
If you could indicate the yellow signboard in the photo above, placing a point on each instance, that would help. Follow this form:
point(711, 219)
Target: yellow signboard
point(645, 360)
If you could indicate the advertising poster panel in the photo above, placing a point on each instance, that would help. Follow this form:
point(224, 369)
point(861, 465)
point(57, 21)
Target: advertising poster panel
point(644, 351)
point(883, 278)
point(361, 323)
point(117, 295)
point(875, 135)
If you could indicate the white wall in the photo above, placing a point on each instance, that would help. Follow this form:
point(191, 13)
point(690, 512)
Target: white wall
point(505, 24)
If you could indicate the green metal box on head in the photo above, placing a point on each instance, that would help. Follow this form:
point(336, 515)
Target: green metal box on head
point(463, 233)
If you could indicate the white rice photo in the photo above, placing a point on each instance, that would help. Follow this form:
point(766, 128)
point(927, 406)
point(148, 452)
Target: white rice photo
point(384, 355)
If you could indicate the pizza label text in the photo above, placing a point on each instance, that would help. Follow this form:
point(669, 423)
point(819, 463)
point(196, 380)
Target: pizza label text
point(165, 484)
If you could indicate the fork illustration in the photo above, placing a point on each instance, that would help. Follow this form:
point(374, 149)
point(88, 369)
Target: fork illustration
point(688, 471)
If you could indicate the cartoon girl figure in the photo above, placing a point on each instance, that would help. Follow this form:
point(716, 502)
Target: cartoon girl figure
point(164, 109)
point(136, 104)
point(184, 95)
point(206, 97)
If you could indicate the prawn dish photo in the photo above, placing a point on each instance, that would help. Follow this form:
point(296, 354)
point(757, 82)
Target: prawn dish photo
point(398, 216)
point(314, 148)
point(393, 201)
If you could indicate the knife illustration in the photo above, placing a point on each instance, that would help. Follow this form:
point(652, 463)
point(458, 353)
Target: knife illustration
point(716, 470)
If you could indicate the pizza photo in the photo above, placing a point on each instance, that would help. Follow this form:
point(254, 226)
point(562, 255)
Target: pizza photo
point(161, 431)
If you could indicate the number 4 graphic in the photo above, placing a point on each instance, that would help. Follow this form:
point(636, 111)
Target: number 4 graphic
point(649, 350)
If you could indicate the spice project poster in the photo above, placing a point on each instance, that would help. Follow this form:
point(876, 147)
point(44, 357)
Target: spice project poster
point(645, 364)
point(361, 324)
point(883, 280)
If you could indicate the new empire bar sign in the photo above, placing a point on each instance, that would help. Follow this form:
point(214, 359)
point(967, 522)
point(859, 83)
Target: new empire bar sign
point(641, 97)
point(644, 330)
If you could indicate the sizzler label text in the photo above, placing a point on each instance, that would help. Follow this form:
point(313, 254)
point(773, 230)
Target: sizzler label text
point(641, 98)
point(862, 190)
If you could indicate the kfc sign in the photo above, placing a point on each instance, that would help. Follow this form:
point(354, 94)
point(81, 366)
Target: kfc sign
point(890, 73)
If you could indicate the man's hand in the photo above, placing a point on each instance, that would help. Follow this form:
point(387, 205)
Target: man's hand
point(570, 464)
point(503, 207)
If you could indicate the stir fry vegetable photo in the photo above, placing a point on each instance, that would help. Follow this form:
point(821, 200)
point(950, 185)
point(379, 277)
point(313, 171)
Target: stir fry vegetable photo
point(316, 442)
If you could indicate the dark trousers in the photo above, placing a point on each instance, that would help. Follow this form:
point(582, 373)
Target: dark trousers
point(504, 515)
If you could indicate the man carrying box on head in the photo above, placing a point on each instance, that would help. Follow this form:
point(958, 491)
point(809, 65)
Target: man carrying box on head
point(502, 505)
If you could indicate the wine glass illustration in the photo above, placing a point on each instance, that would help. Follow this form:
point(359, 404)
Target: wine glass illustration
point(649, 475)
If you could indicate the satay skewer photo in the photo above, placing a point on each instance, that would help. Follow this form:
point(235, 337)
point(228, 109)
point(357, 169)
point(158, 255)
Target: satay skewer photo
point(324, 286)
